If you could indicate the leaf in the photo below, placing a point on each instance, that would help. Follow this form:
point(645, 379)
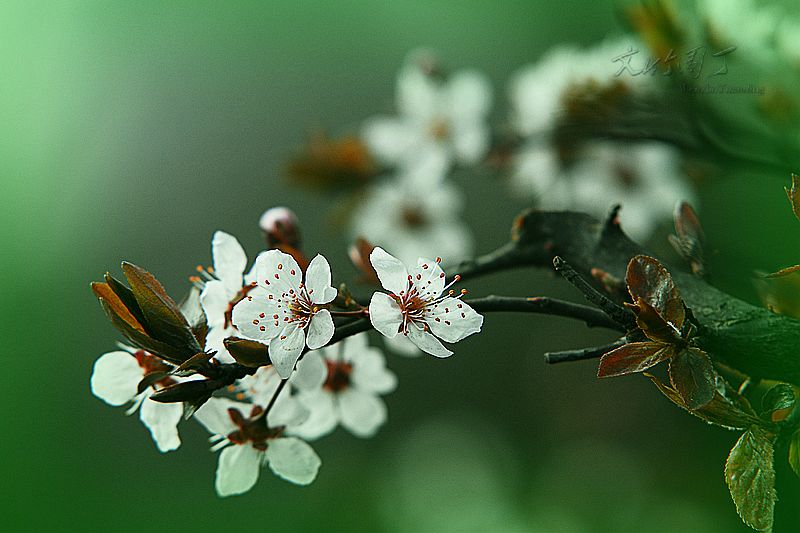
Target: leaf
point(166, 323)
point(186, 391)
point(750, 475)
point(151, 379)
point(794, 452)
point(652, 324)
point(692, 375)
point(649, 280)
point(116, 306)
point(690, 240)
point(632, 357)
point(195, 362)
point(140, 339)
point(126, 296)
point(780, 292)
point(794, 195)
point(720, 411)
point(247, 352)
point(781, 396)
point(783, 272)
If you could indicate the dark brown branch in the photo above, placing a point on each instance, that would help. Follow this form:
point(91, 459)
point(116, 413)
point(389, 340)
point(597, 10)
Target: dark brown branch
point(583, 353)
point(593, 317)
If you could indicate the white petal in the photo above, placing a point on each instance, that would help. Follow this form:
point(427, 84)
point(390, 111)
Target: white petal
point(470, 95)
point(402, 346)
point(215, 342)
point(452, 320)
point(247, 316)
point(237, 470)
point(215, 299)
point(287, 411)
point(115, 377)
point(427, 343)
point(293, 460)
point(162, 421)
point(229, 259)
point(391, 272)
point(318, 281)
point(418, 94)
point(389, 139)
point(323, 417)
point(470, 143)
point(285, 349)
point(320, 329)
point(213, 415)
point(385, 314)
point(370, 373)
point(311, 372)
point(354, 344)
point(428, 278)
point(278, 271)
point(362, 413)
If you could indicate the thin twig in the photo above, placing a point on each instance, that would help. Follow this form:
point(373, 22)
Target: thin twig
point(547, 306)
point(583, 353)
point(619, 314)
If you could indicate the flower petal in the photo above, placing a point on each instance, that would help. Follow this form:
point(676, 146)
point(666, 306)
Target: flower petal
point(323, 417)
point(389, 139)
point(452, 320)
point(285, 349)
point(162, 421)
point(238, 469)
point(215, 299)
point(400, 345)
point(311, 372)
point(293, 460)
point(370, 373)
point(115, 377)
point(391, 272)
point(229, 259)
point(470, 96)
point(287, 411)
point(470, 143)
point(427, 342)
point(248, 320)
point(213, 415)
point(318, 281)
point(362, 413)
point(385, 314)
point(278, 272)
point(320, 329)
point(428, 278)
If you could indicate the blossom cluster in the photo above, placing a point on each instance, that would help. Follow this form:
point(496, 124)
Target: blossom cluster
point(310, 384)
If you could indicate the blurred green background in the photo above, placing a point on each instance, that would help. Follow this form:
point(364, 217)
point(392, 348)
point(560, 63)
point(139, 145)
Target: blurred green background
point(134, 130)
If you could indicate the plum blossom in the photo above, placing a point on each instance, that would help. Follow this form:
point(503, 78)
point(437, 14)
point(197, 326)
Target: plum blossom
point(225, 285)
point(417, 212)
point(250, 440)
point(448, 115)
point(115, 379)
point(417, 306)
point(286, 312)
point(342, 384)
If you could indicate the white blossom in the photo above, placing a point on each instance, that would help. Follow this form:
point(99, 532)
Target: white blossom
point(222, 290)
point(448, 115)
point(248, 442)
point(115, 378)
point(342, 384)
point(286, 312)
point(417, 306)
point(415, 213)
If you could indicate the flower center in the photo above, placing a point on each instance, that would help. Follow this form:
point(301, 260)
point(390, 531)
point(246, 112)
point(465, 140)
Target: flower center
point(299, 307)
point(413, 217)
point(415, 303)
point(253, 430)
point(338, 376)
point(150, 363)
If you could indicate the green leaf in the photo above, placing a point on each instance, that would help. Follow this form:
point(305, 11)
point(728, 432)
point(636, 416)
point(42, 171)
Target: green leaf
point(781, 396)
point(247, 352)
point(632, 357)
point(750, 475)
point(794, 452)
point(165, 321)
point(692, 375)
point(649, 280)
point(720, 411)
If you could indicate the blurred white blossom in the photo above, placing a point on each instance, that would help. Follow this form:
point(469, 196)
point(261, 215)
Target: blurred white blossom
point(447, 114)
point(415, 213)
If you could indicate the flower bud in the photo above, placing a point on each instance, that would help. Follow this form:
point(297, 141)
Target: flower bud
point(280, 227)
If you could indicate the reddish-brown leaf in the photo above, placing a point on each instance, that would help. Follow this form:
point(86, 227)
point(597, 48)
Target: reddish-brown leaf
point(104, 292)
point(692, 375)
point(649, 280)
point(690, 240)
point(794, 195)
point(247, 352)
point(633, 357)
point(652, 324)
